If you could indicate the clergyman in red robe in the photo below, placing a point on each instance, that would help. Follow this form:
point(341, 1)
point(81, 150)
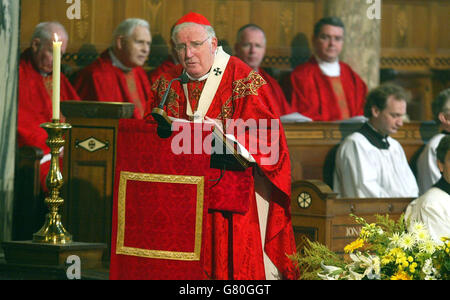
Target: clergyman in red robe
point(324, 88)
point(117, 75)
point(35, 90)
point(262, 237)
point(251, 47)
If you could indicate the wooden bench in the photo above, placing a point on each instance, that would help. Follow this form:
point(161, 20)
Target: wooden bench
point(312, 146)
point(319, 216)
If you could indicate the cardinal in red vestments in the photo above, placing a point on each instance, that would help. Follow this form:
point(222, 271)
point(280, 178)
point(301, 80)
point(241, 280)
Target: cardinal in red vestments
point(251, 47)
point(324, 88)
point(117, 75)
point(241, 94)
point(35, 90)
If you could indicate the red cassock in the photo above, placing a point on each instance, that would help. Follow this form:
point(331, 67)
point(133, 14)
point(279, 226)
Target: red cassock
point(35, 105)
point(280, 105)
point(101, 81)
point(313, 94)
point(241, 95)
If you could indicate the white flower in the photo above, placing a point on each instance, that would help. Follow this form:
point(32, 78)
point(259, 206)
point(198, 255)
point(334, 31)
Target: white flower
point(422, 235)
point(428, 266)
point(407, 241)
point(330, 272)
point(369, 263)
point(395, 238)
point(429, 270)
point(427, 246)
point(417, 226)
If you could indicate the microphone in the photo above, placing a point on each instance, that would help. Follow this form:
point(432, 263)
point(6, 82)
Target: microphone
point(164, 122)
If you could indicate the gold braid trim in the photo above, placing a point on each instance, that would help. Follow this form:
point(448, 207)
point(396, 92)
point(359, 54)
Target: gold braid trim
point(248, 86)
point(241, 88)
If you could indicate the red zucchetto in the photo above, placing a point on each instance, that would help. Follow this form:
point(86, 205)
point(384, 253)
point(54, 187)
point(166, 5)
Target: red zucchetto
point(193, 17)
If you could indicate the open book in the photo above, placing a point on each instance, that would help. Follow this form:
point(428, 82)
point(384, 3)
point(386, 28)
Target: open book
point(227, 153)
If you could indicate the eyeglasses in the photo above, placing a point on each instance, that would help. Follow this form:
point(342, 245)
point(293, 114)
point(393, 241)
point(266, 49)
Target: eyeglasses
point(192, 45)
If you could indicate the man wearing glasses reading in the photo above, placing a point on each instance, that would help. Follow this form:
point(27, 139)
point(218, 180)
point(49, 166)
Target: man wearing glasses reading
point(324, 88)
point(223, 87)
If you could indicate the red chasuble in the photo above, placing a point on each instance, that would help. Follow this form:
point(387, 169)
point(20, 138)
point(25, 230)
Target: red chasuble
point(102, 81)
point(241, 95)
point(280, 105)
point(313, 94)
point(35, 106)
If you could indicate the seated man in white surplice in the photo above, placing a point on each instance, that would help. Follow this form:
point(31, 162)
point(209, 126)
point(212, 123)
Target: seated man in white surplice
point(433, 207)
point(369, 163)
point(428, 172)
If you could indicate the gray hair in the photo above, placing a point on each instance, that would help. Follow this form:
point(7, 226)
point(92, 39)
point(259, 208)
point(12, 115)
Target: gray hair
point(126, 28)
point(44, 31)
point(252, 27)
point(209, 30)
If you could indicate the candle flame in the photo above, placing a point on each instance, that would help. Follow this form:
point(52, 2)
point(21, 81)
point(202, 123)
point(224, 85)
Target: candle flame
point(56, 37)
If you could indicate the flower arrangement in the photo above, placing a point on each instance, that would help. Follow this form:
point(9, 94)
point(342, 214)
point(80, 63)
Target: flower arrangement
point(384, 250)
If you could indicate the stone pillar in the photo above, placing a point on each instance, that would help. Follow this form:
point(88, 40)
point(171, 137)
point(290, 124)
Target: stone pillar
point(362, 42)
point(9, 39)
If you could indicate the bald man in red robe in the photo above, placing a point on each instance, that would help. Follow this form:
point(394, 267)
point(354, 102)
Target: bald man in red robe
point(263, 236)
point(117, 75)
point(324, 88)
point(251, 47)
point(35, 90)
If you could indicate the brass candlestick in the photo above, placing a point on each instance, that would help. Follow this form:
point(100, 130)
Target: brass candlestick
point(53, 231)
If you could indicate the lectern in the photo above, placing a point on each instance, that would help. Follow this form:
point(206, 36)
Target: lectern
point(88, 167)
point(163, 191)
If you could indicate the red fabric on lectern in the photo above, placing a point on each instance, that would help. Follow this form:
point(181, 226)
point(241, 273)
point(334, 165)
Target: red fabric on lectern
point(153, 221)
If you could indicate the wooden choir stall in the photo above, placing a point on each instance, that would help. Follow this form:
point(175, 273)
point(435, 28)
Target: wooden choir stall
point(317, 213)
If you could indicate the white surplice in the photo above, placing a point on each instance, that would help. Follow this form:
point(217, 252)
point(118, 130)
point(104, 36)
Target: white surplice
point(428, 172)
point(365, 171)
point(432, 209)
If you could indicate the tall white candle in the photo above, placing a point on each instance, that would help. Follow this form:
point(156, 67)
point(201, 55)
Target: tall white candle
point(56, 77)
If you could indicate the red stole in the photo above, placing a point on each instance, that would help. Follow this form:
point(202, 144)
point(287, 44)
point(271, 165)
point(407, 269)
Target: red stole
point(339, 93)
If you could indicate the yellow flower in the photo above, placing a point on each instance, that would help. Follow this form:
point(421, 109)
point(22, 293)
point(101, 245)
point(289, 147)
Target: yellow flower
point(354, 245)
point(401, 275)
point(410, 259)
point(386, 259)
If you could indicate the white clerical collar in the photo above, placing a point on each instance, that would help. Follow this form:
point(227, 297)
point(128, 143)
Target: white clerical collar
point(117, 63)
point(197, 79)
point(332, 69)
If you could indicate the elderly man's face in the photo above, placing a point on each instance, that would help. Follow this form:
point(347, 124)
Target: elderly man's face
point(134, 49)
point(195, 50)
point(43, 52)
point(252, 47)
point(329, 42)
point(390, 119)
